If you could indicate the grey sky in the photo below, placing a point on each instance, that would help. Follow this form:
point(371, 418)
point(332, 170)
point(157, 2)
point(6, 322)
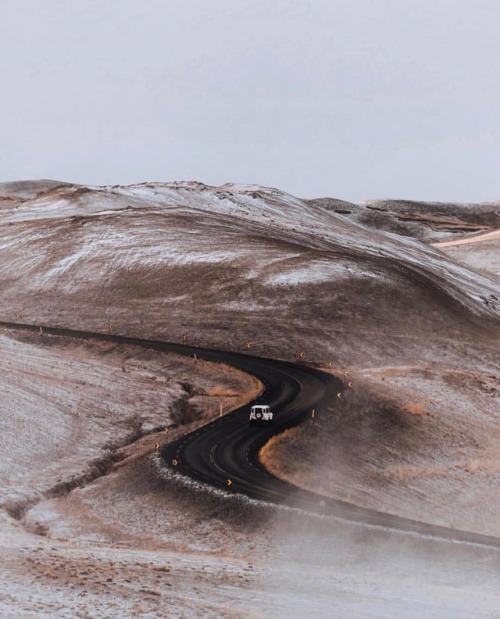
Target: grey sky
point(353, 99)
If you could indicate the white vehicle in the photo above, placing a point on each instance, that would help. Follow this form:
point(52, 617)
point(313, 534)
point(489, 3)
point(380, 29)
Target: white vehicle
point(261, 414)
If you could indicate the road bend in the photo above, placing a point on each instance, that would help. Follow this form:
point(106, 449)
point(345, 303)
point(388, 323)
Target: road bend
point(224, 452)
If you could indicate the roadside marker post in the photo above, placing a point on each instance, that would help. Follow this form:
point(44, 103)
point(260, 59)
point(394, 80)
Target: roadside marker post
point(313, 413)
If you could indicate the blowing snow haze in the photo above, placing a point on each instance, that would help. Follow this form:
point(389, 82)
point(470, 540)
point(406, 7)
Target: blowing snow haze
point(398, 301)
point(140, 321)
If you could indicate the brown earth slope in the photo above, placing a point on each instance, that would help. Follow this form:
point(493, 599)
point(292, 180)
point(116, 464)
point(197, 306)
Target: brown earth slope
point(415, 434)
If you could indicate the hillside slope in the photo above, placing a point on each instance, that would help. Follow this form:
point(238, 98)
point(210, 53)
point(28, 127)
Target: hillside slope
point(226, 266)
point(92, 525)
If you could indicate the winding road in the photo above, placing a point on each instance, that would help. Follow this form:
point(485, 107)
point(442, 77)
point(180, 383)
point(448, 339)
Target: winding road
point(225, 452)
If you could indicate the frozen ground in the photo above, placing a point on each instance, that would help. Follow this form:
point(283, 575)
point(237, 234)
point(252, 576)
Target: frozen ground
point(90, 527)
point(295, 565)
point(479, 251)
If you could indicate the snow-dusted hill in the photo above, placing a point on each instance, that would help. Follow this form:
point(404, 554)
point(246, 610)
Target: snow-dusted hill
point(349, 286)
point(233, 249)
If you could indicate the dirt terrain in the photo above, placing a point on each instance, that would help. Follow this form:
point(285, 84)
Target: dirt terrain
point(479, 251)
point(91, 524)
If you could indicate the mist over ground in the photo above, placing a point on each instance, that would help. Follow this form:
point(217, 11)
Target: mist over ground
point(92, 523)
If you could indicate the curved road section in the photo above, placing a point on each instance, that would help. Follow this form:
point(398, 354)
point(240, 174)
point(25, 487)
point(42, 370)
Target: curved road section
point(225, 452)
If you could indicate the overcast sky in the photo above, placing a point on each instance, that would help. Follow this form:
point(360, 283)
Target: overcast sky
point(355, 99)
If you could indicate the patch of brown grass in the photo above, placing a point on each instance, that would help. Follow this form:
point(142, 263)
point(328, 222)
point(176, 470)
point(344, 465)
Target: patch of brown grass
point(404, 473)
point(281, 467)
point(413, 408)
point(218, 391)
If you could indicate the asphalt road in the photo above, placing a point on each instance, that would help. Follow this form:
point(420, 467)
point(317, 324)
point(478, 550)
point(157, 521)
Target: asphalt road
point(224, 452)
